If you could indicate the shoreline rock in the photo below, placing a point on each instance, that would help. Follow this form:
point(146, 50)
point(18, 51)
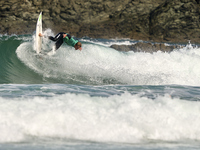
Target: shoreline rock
point(145, 47)
point(152, 20)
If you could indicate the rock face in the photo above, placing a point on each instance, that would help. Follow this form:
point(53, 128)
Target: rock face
point(157, 20)
point(176, 19)
point(145, 47)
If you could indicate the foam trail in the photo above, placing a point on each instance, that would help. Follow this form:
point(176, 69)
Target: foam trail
point(97, 64)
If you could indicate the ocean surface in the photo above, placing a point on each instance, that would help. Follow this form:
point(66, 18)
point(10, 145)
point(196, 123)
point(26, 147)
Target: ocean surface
point(97, 98)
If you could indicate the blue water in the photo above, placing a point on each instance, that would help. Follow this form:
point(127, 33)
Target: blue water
point(97, 98)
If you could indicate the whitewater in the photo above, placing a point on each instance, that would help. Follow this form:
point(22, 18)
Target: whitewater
point(98, 98)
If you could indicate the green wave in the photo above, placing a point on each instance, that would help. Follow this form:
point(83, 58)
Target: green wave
point(12, 70)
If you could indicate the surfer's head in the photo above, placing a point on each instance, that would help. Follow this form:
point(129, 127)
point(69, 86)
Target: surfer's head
point(77, 46)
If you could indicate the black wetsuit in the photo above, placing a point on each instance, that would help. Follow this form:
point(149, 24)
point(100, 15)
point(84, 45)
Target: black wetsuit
point(59, 39)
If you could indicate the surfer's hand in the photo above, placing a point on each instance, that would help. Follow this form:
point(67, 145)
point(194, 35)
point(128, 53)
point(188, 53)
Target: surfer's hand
point(79, 49)
point(40, 34)
point(64, 35)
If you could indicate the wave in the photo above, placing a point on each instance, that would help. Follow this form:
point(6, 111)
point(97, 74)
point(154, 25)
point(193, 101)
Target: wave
point(96, 64)
point(124, 118)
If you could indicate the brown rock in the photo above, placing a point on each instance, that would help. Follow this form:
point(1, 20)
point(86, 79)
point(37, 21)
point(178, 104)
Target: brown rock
point(176, 20)
point(157, 20)
point(144, 47)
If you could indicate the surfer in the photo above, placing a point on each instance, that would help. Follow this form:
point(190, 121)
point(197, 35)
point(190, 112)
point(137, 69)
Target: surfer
point(60, 37)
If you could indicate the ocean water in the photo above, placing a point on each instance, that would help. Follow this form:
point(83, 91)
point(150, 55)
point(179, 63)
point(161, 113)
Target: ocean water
point(97, 98)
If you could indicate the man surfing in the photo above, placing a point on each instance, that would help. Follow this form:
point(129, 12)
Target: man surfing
point(60, 37)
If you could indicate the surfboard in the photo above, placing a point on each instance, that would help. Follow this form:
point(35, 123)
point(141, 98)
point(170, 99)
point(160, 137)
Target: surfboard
point(38, 39)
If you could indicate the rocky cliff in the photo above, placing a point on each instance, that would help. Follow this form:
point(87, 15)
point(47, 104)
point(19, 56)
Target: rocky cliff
point(157, 20)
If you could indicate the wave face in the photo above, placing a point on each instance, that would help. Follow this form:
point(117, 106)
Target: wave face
point(96, 64)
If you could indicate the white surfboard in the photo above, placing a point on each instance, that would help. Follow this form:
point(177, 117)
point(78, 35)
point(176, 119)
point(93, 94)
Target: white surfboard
point(38, 39)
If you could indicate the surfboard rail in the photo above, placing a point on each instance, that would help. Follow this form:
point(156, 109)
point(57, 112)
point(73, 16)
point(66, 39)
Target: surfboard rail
point(38, 39)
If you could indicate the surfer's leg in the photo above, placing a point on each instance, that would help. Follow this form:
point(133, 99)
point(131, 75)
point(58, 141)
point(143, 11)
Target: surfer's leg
point(57, 37)
point(59, 43)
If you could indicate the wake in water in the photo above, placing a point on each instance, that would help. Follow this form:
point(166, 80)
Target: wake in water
point(98, 64)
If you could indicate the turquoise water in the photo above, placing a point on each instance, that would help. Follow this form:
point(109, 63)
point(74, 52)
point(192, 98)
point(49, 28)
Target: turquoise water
point(97, 98)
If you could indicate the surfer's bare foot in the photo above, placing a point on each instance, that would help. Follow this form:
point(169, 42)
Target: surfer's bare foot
point(40, 34)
